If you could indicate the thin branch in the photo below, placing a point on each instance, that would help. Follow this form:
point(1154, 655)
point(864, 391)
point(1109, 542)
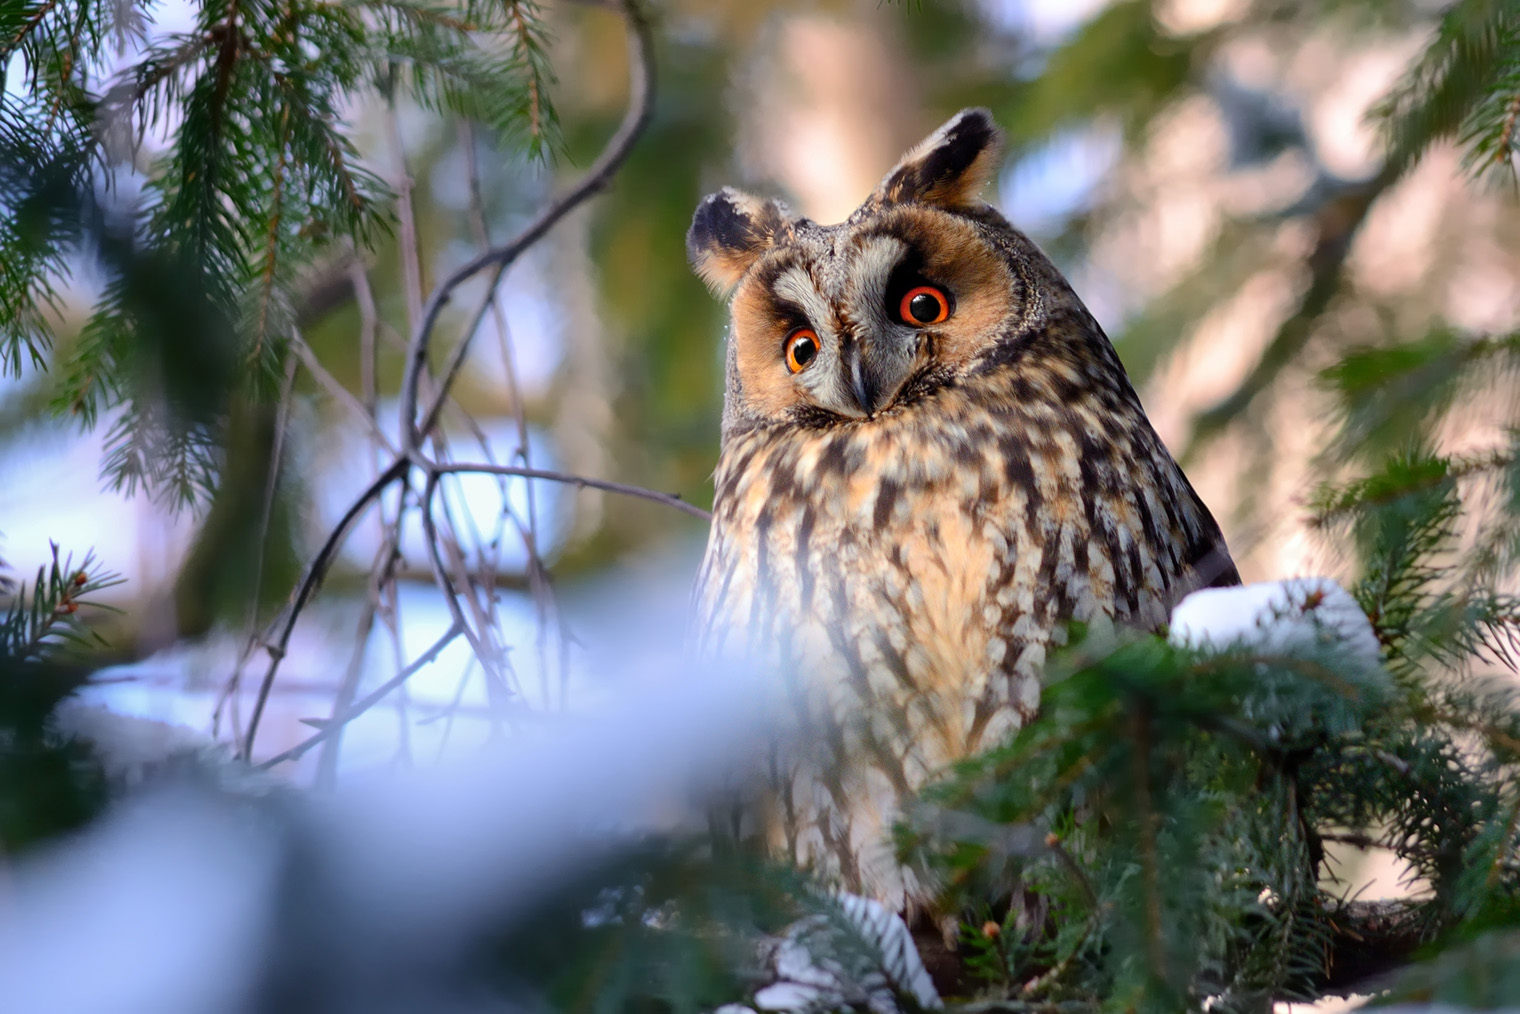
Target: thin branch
point(457, 355)
point(668, 499)
point(272, 243)
point(535, 101)
point(411, 257)
point(308, 586)
point(364, 704)
point(1338, 221)
point(640, 108)
point(271, 484)
point(1354, 839)
point(447, 585)
point(597, 177)
point(43, 10)
point(542, 591)
point(380, 574)
point(1502, 149)
point(340, 394)
point(368, 337)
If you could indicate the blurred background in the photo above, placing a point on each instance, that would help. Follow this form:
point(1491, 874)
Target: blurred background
point(1204, 171)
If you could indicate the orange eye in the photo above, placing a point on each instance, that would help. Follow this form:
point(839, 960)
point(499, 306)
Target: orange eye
point(801, 347)
point(923, 304)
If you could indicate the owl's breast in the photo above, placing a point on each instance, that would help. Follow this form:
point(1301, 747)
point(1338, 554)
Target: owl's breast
point(882, 563)
point(903, 579)
point(937, 553)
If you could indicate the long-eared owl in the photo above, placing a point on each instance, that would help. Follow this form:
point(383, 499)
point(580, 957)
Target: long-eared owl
point(932, 462)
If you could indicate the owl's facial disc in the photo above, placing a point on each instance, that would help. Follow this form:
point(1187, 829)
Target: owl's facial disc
point(856, 316)
point(851, 322)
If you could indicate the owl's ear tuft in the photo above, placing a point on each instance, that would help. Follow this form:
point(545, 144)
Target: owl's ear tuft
point(950, 167)
point(729, 232)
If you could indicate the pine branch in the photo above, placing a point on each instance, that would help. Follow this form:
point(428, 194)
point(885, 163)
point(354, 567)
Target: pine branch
point(42, 618)
point(491, 65)
point(43, 186)
point(1369, 940)
point(640, 110)
point(1388, 395)
point(1337, 223)
point(1462, 87)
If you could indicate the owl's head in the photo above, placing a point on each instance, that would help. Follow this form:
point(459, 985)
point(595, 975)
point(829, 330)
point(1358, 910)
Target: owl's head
point(921, 284)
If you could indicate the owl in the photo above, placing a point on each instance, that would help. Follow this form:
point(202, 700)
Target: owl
point(932, 463)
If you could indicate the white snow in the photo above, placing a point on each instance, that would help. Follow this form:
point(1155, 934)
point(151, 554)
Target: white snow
point(128, 746)
point(157, 910)
point(1289, 617)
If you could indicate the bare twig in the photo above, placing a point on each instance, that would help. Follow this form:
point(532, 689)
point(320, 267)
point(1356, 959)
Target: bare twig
point(380, 575)
point(369, 700)
point(271, 485)
point(668, 499)
point(1354, 839)
point(640, 107)
point(339, 393)
point(542, 591)
point(489, 304)
point(368, 335)
point(266, 512)
point(496, 683)
point(308, 585)
point(411, 260)
point(455, 362)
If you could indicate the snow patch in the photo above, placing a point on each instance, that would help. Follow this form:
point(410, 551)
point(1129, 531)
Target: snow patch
point(1305, 615)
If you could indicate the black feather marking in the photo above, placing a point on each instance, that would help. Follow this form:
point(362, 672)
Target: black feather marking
point(886, 500)
point(967, 137)
point(804, 564)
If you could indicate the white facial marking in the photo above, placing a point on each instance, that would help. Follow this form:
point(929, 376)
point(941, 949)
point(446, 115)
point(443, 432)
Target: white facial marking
point(877, 258)
point(796, 285)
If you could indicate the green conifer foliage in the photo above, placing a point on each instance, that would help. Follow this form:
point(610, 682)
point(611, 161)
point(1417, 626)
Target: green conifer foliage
point(48, 783)
point(259, 178)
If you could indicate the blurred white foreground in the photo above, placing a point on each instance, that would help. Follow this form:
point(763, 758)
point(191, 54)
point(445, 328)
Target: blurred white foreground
point(188, 901)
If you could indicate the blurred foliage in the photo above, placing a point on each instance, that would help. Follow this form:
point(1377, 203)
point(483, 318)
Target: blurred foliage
point(663, 926)
point(49, 785)
point(1465, 86)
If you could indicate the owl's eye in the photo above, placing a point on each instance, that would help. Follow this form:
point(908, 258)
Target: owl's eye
point(801, 347)
point(923, 304)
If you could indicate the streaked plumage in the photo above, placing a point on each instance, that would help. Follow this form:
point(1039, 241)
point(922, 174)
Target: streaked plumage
point(904, 525)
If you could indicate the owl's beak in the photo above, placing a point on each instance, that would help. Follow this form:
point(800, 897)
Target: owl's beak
point(876, 368)
point(863, 382)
